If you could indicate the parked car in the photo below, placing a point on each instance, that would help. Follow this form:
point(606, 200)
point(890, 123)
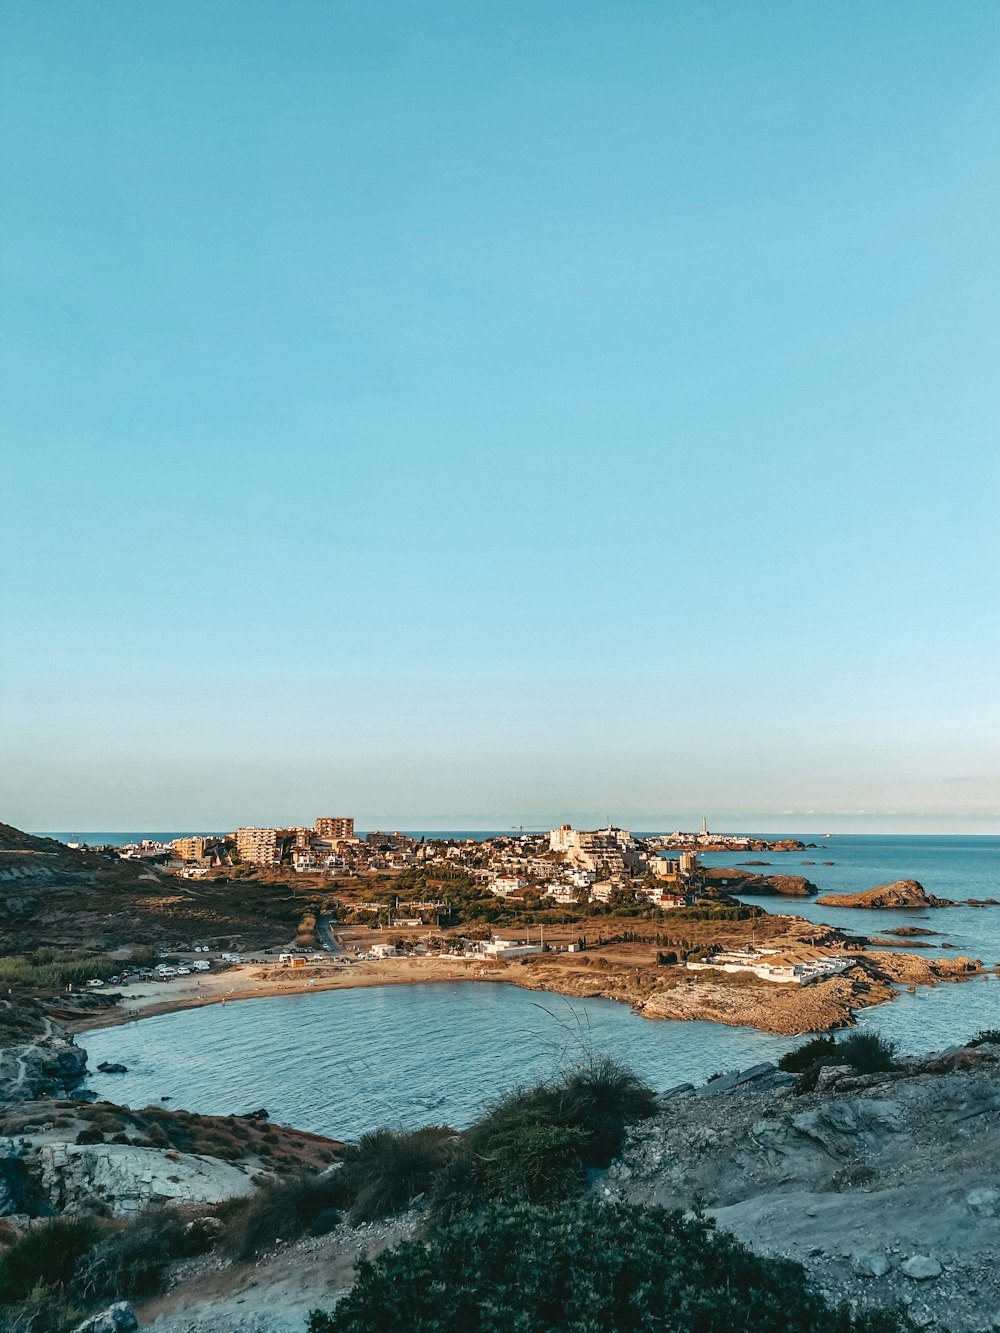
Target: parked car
point(95, 981)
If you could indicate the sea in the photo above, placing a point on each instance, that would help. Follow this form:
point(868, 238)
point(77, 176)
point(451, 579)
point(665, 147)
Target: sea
point(344, 1062)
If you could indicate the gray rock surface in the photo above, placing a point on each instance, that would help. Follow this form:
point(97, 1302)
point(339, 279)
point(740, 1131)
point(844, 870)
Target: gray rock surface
point(855, 1181)
point(117, 1318)
point(869, 1263)
point(921, 1267)
point(128, 1178)
point(49, 1064)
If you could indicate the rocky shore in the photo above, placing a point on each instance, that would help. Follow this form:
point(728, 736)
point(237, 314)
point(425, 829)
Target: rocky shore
point(740, 1000)
point(882, 1185)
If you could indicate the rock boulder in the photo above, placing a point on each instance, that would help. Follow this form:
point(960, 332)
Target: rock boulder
point(903, 893)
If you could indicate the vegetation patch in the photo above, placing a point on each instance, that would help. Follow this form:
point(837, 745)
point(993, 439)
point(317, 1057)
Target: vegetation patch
point(229, 1138)
point(535, 1145)
point(985, 1037)
point(583, 1267)
point(281, 1211)
point(54, 969)
point(385, 1170)
point(865, 1052)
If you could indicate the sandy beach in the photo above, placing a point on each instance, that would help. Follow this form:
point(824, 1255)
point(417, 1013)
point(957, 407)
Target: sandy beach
point(254, 981)
point(620, 972)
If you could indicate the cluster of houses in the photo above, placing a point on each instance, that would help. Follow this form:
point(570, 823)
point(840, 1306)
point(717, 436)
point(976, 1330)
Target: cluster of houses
point(566, 865)
point(583, 865)
point(331, 845)
point(495, 948)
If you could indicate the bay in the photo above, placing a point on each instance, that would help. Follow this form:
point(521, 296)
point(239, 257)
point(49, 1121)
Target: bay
point(343, 1062)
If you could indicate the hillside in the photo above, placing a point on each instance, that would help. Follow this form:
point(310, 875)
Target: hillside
point(53, 895)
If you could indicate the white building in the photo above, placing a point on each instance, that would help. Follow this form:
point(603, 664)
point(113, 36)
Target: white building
point(505, 885)
point(798, 966)
point(510, 949)
point(562, 893)
point(564, 839)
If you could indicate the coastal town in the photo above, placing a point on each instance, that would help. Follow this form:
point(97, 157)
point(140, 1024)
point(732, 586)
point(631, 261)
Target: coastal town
point(567, 904)
point(566, 865)
point(101, 939)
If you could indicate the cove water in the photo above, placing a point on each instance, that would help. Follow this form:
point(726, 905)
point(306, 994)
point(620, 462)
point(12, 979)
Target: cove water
point(343, 1062)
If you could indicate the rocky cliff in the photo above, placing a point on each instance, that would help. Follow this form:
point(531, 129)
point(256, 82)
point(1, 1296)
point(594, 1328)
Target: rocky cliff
point(46, 1063)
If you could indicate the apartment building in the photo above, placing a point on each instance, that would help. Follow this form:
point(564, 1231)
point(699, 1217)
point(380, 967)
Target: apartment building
point(258, 846)
point(190, 849)
point(334, 828)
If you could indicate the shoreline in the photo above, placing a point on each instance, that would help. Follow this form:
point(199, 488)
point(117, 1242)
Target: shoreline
point(245, 982)
point(733, 1000)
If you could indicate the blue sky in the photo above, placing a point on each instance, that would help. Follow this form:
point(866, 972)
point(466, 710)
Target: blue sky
point(459, 415)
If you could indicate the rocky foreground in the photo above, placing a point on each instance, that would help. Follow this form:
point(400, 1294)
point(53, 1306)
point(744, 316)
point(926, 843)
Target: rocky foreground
point(885, 1186)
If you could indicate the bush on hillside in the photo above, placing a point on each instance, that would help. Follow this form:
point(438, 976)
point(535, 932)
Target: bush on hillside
point(523, 1151)
point(865, 1052)
point(282, 1210)
point(536, 1144)
point(806, 1055)
point(603, 1099)
point(130, 1260)
point(583, 1267)
point(43, 1310)
point(47, 1255)
point(385, 1169)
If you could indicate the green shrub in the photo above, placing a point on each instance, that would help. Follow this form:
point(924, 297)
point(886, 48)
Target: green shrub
point(535, 1144)
point(866, 1052)
point(528, 1157)
point(282, 1210)
point(602, 1100)
point(385, 1170)
point(43, 1310)
point(47, 1256)
point(583, 1267)
point(90, 1135)
point(806, 1055)
point(130, 1261)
